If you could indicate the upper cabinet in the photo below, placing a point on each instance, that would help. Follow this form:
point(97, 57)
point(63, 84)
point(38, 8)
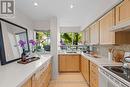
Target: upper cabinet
point(122, 16)
point(113, 27)
point(88, 35)
point(94, 33)
point(123, 12)
point(109, 37)
point(106, 23)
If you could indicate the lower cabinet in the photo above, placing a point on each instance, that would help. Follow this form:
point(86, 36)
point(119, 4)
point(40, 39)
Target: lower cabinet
point(89, 70)
point(40, 78)
point(85, 68)
point(94, 75)
point(28, 83)
point(69, 63)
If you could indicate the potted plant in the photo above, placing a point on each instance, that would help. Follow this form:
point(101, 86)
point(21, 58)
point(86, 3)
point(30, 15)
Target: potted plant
point(33, 45)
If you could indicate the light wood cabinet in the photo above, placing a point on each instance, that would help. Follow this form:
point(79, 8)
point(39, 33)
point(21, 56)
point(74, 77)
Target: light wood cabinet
point(94, 75)
point(86, 36)
point(94, 33)
point(109, 37)
point(69, 63)
point(106, 23)
point(119, 15)
point(85, 66)
point(123, 12)
point(62, 63)
point(42, 77)
point(87, 39)
point(28, 83)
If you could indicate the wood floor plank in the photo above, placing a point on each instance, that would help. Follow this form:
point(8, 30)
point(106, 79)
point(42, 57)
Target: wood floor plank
point(69, 80)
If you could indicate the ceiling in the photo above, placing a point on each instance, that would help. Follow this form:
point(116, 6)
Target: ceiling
point(83, 13)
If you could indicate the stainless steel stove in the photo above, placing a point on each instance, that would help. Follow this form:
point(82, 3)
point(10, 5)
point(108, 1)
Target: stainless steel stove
point(120, 71)
point(114, 76)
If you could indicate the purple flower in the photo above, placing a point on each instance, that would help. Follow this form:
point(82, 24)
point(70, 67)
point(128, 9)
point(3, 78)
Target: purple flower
point(32, 42)
point(22, 43)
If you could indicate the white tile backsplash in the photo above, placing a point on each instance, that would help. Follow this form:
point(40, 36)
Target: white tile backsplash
point(103, 49)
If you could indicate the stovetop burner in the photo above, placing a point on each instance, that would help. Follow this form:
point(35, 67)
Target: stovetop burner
point(120, 71)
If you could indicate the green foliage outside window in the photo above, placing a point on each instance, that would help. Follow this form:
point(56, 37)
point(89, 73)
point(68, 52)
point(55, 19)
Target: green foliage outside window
point(71, 38)
point(43, 39)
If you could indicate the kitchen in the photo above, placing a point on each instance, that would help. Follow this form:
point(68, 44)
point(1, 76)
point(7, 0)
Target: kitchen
point(36, 52)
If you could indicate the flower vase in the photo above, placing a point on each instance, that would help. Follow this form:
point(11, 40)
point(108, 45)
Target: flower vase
point(23, 56)
point(32, 54)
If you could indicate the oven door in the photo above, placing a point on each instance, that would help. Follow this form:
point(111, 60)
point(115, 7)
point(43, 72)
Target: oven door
point(107, 80)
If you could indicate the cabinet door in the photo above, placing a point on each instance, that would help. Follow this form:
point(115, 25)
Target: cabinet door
point(87, 39)
point(42, 77)
point(62, 63)
point(72, 63)
point(47, 76)
point(82, 65)
point(28, 83)
point(94, 33)
point(106, 23)
point(69, 63)
point(94, 79)
point(123, 12)
point(85, 68)
point(86, 74)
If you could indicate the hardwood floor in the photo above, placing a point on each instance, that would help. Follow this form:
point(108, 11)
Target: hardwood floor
point(69, 80)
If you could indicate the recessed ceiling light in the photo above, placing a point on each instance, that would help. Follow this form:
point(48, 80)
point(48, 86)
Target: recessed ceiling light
point(71, 6)
point(35, 4)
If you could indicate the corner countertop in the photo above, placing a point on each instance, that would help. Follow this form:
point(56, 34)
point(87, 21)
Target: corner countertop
point(102, 61)
point(98, 61)
point(15, 75)
point(65, 53)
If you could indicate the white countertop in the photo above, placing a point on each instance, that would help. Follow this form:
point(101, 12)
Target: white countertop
point(105, 62)
point(65, 53)
point(14, 74)
point(100, 61)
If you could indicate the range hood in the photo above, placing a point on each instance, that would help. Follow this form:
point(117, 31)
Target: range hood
point(121, 27)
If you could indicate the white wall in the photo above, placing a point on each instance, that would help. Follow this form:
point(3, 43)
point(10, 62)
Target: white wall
point(45, 25)
point(42, 25)
point(22, 20)
point(54, 27)
point(70, 29)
